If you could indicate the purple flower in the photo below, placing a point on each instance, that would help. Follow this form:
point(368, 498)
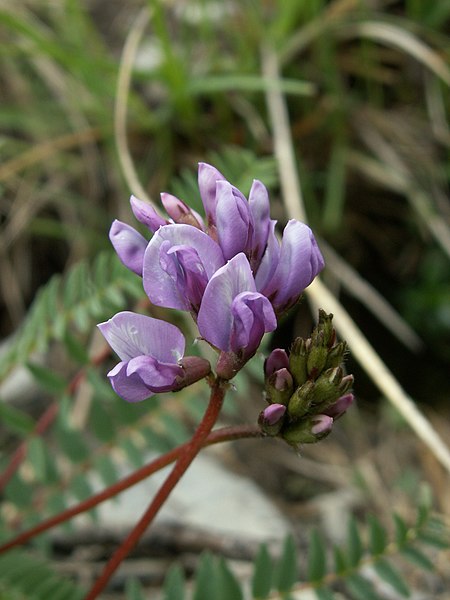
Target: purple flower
point(129, 244)
point(150, 352)
point(277, 359)
point(341, 405)
point(233, 220)
point(233, 316)
point(146, 214)
point(208, 177)
point(178, 263)
point(286, 271)
point(180, 212)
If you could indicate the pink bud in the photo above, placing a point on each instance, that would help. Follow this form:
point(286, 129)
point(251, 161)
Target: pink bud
point(277, 359)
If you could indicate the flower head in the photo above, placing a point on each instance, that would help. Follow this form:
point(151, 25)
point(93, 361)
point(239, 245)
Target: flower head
point(151, 353)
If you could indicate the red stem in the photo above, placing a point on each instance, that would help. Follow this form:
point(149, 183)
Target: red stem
point(192, 449)
point(185, 459)
point(221, 435)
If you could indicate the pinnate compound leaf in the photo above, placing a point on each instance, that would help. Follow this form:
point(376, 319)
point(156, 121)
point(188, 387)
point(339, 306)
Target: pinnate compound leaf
point(106, 469)
point(286, 572)
point(324, 593)
point(15, 419)
point(229, 587)
point(316, 557)
point(206, 580)
point(387, 572)
point(263, 573)
point(47, 379)
point(417, 557)
point(360, 588)
point(377, 536)
point(75, 348)
point(133, 590)
point(23, 575)
point(340, 562)
point(37, 457)
point(355, 547)
point(401, 531)
point(174, 584)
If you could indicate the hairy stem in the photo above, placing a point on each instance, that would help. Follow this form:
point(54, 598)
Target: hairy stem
point(185, 459)
point(221, 435)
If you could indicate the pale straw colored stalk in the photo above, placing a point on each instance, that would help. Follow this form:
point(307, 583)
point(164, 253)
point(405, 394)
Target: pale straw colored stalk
point(319, 295)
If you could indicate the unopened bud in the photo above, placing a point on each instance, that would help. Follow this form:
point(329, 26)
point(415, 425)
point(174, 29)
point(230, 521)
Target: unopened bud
point(317, 357)
point(297, 361)
point(279, 386)
point(325, 326)
point(194, 369)
point(336, 355)
point(327, 387)
point(308, 431)
point(179, 211)
point(271, 419)
point(277, 359)
point(346, 384)
point(337, 409)
point(301, 400)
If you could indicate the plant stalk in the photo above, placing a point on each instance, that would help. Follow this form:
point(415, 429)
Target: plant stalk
point(185, 459)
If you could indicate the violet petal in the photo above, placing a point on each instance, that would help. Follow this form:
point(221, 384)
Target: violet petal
point(163, 276)
point(217, 315)
point(130, 388)
point(146, 214)
point(157, 376)
point(299, 262)
point(129, 244)
point(259, 206)
point(233, 220)
point(277, 359)
point(131, 335)
point(207, 178)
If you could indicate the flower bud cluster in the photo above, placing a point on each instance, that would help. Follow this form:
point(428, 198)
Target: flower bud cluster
point(307, 390)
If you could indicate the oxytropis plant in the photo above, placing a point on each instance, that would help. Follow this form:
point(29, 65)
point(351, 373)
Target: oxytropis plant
point(236, 279)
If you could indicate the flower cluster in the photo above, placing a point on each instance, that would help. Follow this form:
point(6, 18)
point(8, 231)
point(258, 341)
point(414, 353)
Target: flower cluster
point(229, 271)
point(307, 390)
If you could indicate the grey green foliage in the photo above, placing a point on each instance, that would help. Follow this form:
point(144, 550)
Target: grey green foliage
point(368, 546)
point(24, 576)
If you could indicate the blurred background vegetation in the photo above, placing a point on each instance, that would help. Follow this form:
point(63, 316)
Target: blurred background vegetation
point(366, 83)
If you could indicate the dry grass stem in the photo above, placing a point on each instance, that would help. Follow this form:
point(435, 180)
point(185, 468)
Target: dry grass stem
point(320, 296)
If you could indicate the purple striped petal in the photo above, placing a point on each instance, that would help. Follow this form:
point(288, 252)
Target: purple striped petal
point(259, 205)
point(233, 220)
point(129, 244)
point(207, 179)
point(178, 260)
point(299, 262)
point(131, 335)
point(232, 312)
point(157, 376)
point(130, 388)
point(146, 214)
point(252, 316)
point(270, 259)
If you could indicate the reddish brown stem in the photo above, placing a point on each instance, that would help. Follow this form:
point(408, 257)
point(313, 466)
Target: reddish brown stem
point(186, 457)
point(221, 435)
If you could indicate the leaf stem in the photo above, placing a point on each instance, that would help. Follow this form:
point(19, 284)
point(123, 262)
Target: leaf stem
point(221, 435)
